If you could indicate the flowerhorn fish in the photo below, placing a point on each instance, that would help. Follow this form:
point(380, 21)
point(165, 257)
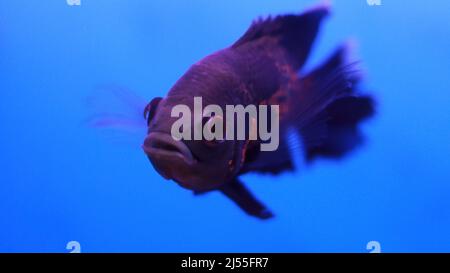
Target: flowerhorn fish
point(260, 73)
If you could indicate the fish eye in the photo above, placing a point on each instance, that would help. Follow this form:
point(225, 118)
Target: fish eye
point(150, 109)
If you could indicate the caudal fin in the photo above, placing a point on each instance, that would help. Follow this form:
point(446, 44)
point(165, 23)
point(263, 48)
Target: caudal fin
point(330, 108)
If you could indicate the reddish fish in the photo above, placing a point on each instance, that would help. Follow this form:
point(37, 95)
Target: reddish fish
point(324, 107)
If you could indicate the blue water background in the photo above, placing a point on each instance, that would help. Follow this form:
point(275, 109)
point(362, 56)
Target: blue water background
point(61, 181)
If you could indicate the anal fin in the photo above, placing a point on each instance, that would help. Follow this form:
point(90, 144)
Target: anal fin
point(239, 194)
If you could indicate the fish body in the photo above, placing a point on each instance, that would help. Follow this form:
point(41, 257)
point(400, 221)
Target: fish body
point(263, 67)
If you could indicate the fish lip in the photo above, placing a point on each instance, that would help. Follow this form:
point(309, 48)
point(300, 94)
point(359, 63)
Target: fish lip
point(156, 144)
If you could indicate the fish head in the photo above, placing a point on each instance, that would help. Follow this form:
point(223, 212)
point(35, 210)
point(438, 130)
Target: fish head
point(199, 165)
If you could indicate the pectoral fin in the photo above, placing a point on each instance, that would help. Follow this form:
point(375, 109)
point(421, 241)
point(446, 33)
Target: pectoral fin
point(240, 195)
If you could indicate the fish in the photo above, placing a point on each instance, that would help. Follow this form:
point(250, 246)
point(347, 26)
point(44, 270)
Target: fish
point(265, 66)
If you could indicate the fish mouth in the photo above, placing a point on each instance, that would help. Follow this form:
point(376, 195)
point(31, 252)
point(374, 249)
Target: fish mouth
point(172, 159)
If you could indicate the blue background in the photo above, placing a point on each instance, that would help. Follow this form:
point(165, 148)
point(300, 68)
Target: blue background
point(61, 181)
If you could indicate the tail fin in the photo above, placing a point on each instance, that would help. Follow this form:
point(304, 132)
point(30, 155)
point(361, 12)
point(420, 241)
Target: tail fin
point(343, 135)
point(330, 108)
point(295, 33)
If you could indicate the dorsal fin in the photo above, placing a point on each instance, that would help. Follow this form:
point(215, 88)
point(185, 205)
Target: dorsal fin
point(295, 33)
